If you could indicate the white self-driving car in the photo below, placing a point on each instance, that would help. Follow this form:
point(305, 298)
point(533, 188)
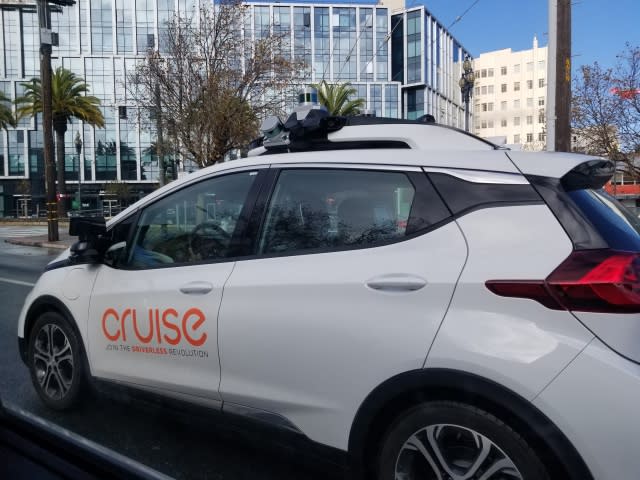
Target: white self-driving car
point(408, 294)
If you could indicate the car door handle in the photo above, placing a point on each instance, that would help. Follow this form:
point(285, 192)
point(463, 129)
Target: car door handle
point(196, 288)
point(397, 283)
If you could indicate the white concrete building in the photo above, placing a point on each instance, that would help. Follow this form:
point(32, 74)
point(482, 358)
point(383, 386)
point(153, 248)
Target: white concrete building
point(510, 95)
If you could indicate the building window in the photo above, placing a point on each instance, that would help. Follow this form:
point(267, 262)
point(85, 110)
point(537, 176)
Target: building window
point(516, 121)
point(529, 137)
point(541, 137)
point(516, 68)
point(490, 124)
point(490, 106)
point(483, 73)
point(516, 86)
point(541, 65)
point(490, 89)
point(414, 46)
point(516, 138)
point(503, 105)
point(530, 102)
point(490, 72)
point(503, 70)
point(484, 107)
point(516, 103)
point(503, 88)
point(477, 90)
point(530, 84)
point(529, 66)
point(484, 89)
point(503, 122)
point(541, 101)
point(541, 117)
point(529, 119)
point(541, 82)
point(483, 124)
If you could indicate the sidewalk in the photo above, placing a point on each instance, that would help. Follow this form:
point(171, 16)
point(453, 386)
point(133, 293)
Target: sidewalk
point(43, 241)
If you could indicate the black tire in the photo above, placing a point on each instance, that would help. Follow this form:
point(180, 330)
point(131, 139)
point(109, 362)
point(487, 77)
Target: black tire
point(459, 432)
point(59, 379)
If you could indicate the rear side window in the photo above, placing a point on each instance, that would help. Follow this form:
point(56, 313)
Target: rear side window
point(332, 209)
point(619, 227)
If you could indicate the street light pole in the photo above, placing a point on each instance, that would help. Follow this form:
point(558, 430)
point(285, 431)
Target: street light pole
point(466, 87)
point(78, 144)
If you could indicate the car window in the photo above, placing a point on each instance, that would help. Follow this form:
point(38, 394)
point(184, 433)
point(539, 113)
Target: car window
point(320, 208)
point(191, 225)
point(617, 225)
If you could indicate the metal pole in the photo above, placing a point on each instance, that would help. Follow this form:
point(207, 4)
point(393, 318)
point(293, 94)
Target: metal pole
point(79, 185)
point(551, 75)
point(466, 113)
point(47, 119)
point(563, 77)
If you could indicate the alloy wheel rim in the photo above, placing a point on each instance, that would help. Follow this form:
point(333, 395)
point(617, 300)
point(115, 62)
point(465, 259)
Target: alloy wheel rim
point(453, 452)
point(53, 361)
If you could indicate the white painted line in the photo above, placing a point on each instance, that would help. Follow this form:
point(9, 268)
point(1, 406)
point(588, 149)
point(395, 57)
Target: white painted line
point(16, 282)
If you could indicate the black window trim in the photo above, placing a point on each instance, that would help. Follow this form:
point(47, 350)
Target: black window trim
point(262, 172)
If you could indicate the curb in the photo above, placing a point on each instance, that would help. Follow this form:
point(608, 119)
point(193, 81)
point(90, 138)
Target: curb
point(32, 243)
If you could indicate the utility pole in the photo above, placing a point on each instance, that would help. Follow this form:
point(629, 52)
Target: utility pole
point(44, 20)
point(559, 77)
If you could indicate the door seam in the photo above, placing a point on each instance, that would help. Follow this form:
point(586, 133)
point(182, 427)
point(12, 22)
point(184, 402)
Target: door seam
point(453, 293)
point(224, 286)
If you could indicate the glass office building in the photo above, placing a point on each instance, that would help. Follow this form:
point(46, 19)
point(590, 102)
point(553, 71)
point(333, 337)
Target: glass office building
point(427, 60)
point(403, 63)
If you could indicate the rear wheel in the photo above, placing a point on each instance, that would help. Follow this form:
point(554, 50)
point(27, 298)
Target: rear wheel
point(56, 361)
point(454, 441)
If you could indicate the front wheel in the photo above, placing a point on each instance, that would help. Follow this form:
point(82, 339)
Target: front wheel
point(454, 441)
point(55, 361)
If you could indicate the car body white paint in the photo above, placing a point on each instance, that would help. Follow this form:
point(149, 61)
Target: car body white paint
point(517, 343)
point(314, 340)
point(594, 401)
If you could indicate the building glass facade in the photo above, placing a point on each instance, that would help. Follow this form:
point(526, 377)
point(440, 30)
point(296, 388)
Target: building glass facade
point(402, 64)
point(427, 59)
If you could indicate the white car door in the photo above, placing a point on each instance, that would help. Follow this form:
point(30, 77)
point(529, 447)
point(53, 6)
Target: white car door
point(353, 274)
point(154, 310)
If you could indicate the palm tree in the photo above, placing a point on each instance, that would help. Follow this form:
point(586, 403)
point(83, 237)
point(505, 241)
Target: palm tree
point(6, 116)
point(335, 97)
point(69, 100)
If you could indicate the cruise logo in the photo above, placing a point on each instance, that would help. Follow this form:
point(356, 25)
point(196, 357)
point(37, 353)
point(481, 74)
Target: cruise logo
point(157, 326)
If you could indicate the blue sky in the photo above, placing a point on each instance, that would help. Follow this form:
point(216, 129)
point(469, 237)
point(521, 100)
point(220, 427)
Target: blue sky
point(600, 28)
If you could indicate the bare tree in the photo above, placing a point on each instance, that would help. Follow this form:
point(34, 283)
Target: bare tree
point(595, 112)
point(626, 86)
point(213, 82)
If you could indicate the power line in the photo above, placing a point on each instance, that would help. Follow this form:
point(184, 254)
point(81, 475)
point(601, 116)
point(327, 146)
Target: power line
point(459, 17)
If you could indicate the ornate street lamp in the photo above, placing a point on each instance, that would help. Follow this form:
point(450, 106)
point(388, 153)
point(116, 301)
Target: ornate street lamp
point(78, 144)
point(466, 87)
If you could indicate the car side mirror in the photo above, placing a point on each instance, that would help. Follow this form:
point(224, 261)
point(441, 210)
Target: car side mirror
point(84, 252)
point(91, 244)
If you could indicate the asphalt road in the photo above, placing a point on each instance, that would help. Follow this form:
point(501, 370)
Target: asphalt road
point(180, 446)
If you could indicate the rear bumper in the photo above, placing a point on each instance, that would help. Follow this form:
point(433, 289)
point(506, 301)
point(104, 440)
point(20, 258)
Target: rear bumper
point(594, 401)
point(22, 348)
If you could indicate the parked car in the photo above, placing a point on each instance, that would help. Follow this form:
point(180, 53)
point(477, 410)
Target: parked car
point(400, 292)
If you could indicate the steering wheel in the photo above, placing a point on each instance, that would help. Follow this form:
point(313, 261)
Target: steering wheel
point(208, 240)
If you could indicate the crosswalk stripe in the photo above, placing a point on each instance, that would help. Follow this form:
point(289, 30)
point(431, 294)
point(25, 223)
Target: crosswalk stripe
point(11, 232)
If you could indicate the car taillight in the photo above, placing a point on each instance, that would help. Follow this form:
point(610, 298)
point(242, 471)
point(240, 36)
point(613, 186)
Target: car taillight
point(587, 281)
